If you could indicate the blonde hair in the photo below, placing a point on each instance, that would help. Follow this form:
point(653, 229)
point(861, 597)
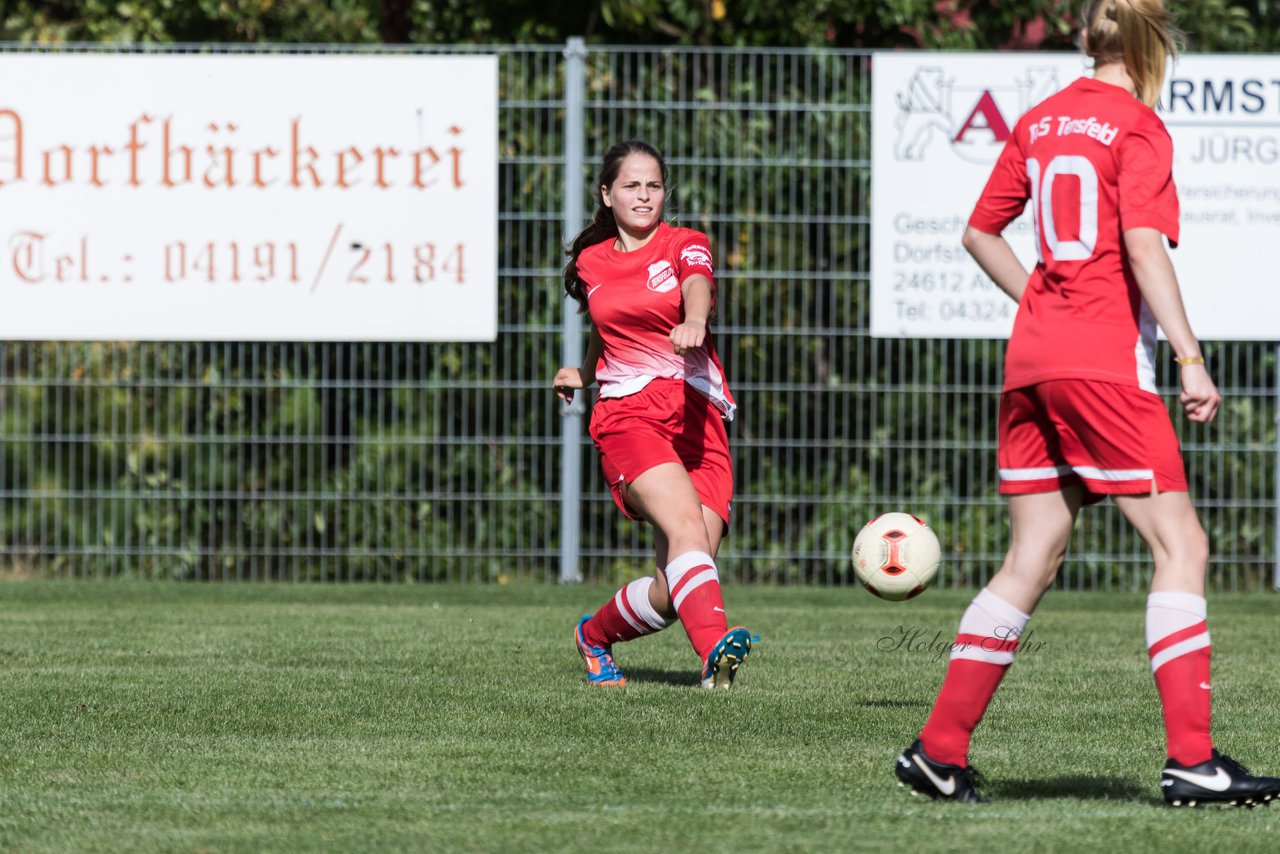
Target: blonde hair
point(1140, 33)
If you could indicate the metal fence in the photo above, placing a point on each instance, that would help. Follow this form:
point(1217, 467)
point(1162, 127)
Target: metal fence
point(338, 461)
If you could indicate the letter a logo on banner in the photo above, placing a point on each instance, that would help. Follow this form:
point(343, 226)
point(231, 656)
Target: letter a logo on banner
point(991, 120)
point(972, 114)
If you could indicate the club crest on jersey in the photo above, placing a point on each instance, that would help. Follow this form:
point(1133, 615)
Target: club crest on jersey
point(696, 256)
point(662, 276)
point(973, 116)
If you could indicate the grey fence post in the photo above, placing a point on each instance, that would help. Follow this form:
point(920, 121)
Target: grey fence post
point(575, 52)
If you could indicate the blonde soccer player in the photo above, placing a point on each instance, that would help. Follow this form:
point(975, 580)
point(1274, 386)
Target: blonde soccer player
point(1080, 416)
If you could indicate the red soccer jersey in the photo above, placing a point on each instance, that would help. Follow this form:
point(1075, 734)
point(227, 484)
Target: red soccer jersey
point(635, 301)
point(1094, 162)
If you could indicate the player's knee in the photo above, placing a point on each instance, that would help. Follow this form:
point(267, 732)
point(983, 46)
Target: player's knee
point(687, 526)
point(660, 595)
point(1193, 547)
point(667, 609)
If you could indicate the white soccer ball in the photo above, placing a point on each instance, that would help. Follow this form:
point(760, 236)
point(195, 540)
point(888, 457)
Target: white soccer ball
point(896, 555)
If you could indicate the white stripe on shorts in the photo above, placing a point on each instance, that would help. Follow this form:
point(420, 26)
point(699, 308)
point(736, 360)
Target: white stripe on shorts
point(1114, 474)
point(1034, 474)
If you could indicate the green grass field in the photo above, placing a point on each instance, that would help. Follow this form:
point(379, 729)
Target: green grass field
point(170, 717)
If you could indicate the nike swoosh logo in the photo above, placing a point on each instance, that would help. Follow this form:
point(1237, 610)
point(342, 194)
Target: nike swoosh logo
point(721, 610)
point(1206, 686)
point(1218, 782)
point(593, 290)
point(947, 787)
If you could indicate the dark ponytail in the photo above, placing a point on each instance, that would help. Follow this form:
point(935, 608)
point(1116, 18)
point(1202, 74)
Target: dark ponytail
point(603, 226)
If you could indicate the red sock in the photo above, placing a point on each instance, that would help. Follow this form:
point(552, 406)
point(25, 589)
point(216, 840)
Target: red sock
point(695, 592)
point(983, 651)
point(1178, 643)
point(627, 616)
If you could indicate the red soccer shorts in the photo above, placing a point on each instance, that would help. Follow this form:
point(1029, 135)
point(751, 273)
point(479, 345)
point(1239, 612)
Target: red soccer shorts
point(1114, 439)
point(668, 421)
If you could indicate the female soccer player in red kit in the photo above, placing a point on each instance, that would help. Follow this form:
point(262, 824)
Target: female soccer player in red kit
point(658, 422)
point(1080, 417)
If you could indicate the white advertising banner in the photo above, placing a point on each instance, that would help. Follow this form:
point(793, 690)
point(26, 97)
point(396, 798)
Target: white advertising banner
point(939, 122)
point(233, 197)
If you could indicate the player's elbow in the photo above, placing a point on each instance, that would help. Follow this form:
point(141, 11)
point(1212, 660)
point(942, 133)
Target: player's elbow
point(973, 239)
point(1145, 248)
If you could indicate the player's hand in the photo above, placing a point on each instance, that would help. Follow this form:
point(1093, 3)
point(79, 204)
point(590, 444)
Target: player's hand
point(688, 336)
point(1200, 398)
point(566, 380)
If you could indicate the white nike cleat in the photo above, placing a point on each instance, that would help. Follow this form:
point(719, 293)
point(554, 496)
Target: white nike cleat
point(1217, 780)
point(925, 776)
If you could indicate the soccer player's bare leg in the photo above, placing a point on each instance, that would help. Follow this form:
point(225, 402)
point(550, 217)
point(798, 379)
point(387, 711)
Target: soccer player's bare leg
point(1168, 523)
point(659, 593)
point(1179, 649)
point(666, 497)
point(645, 606)
point(1040, 527)
point(642, 607)
point(1177, 631)
point(991, 626)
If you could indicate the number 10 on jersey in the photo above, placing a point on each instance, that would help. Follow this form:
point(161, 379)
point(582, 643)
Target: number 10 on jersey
point(1042, 207)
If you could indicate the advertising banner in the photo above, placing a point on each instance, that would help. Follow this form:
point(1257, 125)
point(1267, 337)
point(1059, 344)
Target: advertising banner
point(939, 122)
point(238, 197)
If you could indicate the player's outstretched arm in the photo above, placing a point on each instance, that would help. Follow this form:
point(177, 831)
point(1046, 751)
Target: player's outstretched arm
point(996, 258)
point(1158, 282)
point(568, 379)
point(692, 331)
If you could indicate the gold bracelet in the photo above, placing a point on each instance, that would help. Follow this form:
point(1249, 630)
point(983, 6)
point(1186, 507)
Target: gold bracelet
point(1183, 361)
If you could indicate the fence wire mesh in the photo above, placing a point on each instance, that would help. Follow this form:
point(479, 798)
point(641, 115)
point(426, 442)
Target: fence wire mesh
point(360, 462)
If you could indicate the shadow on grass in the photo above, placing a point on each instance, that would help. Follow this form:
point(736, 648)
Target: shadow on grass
point(666, 677)
point(891, 704)
point(1085, 788)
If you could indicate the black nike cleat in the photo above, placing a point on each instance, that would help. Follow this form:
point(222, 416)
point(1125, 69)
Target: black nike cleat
point(915, 769)
point(1218, 780)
